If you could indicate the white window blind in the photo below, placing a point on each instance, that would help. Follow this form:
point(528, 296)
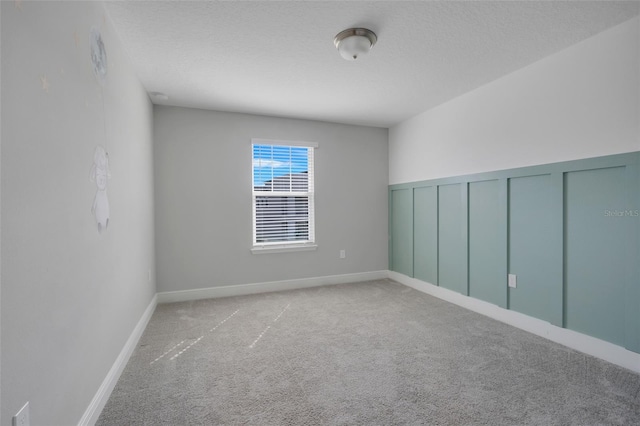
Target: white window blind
point(283, 194)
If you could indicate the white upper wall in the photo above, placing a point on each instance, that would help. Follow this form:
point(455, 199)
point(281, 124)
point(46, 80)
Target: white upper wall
point(70, 295)
point(203, 199)
point(581, 102)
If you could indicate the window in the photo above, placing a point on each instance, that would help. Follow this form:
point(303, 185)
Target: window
point(283, 195)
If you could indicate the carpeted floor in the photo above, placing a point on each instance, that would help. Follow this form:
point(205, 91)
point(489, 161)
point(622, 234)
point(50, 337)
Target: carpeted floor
point(372, 353)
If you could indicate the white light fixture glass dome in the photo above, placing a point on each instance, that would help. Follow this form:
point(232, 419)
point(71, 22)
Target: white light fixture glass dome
point(354, 42)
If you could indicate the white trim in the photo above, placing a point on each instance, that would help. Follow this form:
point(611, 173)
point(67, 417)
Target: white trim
point(242, 289)
point(581, 342)
point(283, 248)
point(258, 141)
point(101, 397)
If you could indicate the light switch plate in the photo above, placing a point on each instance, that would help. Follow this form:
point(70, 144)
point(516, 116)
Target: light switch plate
point(512, 281)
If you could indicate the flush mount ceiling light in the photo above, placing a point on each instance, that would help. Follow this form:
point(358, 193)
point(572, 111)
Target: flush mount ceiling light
point(354, 42)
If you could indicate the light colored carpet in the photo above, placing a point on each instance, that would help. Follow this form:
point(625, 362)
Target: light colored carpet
point(365, 353)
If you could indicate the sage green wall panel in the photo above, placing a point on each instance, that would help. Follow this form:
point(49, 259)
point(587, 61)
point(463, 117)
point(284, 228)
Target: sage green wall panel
point(402, 231)
point(572, 239)
point(596, 249)
point(452, 237)
point(487, 257)
point(535, 248)
point(425, 234)
point(632, 298)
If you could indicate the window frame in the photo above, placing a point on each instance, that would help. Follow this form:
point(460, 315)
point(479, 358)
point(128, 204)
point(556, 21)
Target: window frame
point(285, 246)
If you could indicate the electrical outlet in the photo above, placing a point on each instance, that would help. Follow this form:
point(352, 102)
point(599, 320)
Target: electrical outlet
point(343, 254)
point(512, 281)
point(22, 417)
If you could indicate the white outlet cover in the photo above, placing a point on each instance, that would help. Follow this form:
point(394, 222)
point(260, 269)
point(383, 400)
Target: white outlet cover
point(22, 417)
point(512, 281)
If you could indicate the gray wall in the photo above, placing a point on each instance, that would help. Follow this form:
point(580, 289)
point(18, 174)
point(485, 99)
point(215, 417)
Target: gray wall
point(0, 230)
point(203, 199)
point(70, 296)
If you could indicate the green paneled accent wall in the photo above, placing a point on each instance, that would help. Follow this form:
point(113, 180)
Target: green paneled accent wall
point(487, 248)
point(425, 229)
point(452, 232)
point(632, 299)
point(535, 248)
point(596, 245)
point(402, 231)
point(569, 231)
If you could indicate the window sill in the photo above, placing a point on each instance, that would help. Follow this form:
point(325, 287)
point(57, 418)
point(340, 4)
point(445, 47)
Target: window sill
point(283, 248)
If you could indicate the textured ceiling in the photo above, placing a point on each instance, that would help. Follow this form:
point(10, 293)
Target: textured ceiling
point(278, 58)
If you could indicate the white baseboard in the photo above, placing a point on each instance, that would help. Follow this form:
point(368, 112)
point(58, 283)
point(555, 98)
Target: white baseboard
point(581, 342)
point(101, 397)
point(266, 287)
